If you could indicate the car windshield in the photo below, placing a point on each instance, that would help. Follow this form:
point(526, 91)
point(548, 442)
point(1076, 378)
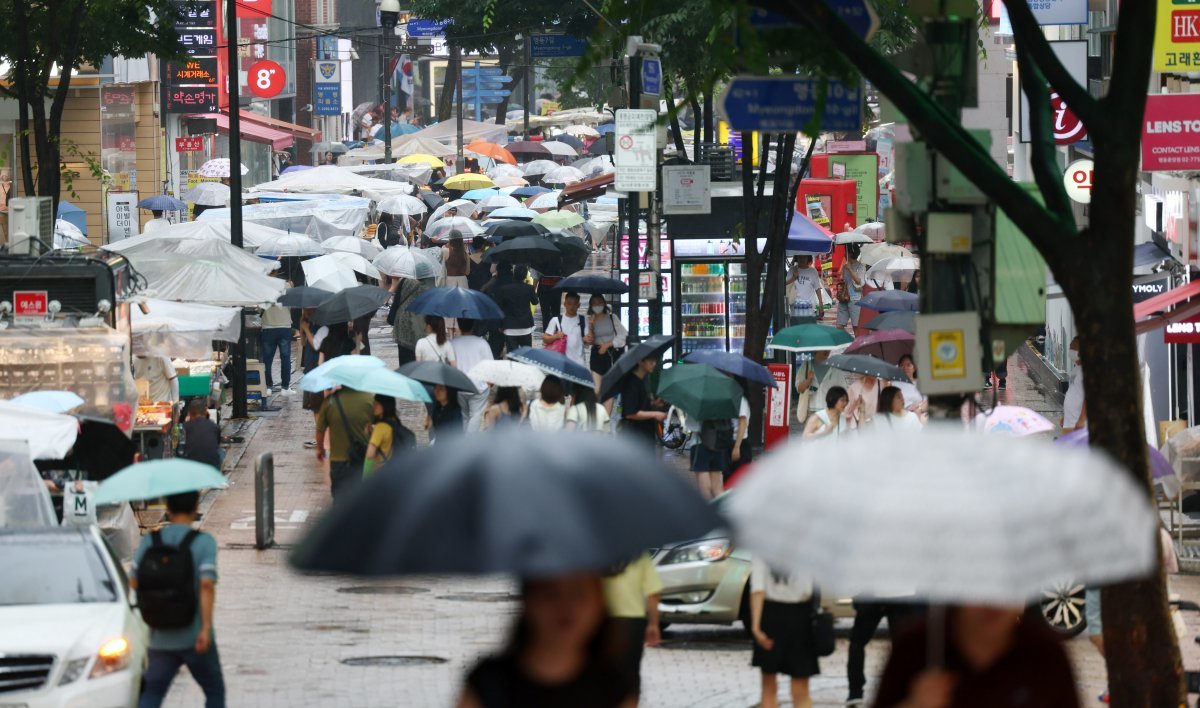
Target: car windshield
point(54, 568)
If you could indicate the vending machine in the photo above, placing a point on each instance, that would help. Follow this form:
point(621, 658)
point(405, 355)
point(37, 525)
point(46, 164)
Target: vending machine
point(710, 280)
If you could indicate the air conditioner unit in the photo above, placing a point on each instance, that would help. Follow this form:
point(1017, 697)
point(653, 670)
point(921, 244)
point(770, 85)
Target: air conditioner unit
point(30, 225)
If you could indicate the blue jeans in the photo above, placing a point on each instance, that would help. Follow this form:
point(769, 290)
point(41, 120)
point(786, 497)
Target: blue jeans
point(164, 664)
point(278, 338)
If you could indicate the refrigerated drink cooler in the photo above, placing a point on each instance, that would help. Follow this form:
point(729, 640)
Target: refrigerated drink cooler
point(712, 304)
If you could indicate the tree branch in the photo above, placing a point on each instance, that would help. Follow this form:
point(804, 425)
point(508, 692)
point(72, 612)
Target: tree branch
point(1125, 104)
point(1077, 97)
point(1045, 166)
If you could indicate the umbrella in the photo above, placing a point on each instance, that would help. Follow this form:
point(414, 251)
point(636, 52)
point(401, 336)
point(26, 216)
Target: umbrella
point(304, 296)
point(533, 250)
point(554, 363)
point(875, 252)
point(49, 436)
point(319, 379)
point(158, 478)
point(810, 338)
point(889, 301)
point(456, 302)
point(435, 373)
point(565, 139)
point(507, 373)
point(575, 252)
point(700, 391)
point(467, 181)
point(1159, 466)
point(49, 401)
point(352, 244)
point(287, 245)
point(375, 379)
point(295, 168)
point(432, 199)
point(562, 175)
point(68, 235)
point(509, 182)
point(539, 167)
point(606, 128)
point(968, 518)
point(353, 261)
point(161, 202)
point(582, 131)
point(1018, 421)
point(350, 304)
point(652, 346)
point(519, 502)
point(462, 207)
point(422, 159)
point(73, 215)
point(478, 195)
point(544, 201)
point(734, 363)
point(592, 284)
point(440, 230)
point(886, 344)
point(902, 319)
point(847, 237)
point(532, 191)
point(499, 201)
point(806, 236)
point(558, 219)
point(208, 194)
point(894, 269)
point(405, 262)
point(519, 213)
point(505, 170)
point(501, 231)
point(491, 150)
point(333, 281)
point(559, 149)
point(527, 149)
point(101, 449)
point(403, 205)
point(867, 366)
point(219, 167)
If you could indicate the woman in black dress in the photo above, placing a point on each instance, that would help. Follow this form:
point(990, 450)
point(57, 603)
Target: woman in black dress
point(562, 653)
point(781, 610)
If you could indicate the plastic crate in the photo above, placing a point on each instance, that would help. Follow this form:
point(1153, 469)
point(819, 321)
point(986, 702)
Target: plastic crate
point(194, 385)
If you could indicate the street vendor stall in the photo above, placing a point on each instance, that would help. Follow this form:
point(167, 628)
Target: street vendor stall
point(332, 215)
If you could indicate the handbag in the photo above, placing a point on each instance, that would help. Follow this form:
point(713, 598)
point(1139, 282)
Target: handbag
point(356, 453)
point(843, 291)
point(822, 627)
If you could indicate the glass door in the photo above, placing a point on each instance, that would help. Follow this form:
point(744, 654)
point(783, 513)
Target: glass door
point(737, 305)
point(702, 307)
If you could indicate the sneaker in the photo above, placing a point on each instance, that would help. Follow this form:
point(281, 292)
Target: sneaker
point(276, 388)
point(851, 702)
point(1003, 384)
point(310, 444)
point(290, 392)
point(1103, 697)
point(987, 385)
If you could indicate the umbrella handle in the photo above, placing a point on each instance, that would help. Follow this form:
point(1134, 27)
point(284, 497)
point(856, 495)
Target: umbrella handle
point(935, 638)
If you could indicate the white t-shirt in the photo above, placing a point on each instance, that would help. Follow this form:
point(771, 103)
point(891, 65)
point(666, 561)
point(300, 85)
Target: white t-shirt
point(1073, 401)
point(808, 283)
point(469, 350)
point(912, 395)
point(428, 349)
point(822, 383)
point(577, 414)
point(909, 422)
point(546, 417)
point(743, 412)
point(575, 334)
point(777, 587)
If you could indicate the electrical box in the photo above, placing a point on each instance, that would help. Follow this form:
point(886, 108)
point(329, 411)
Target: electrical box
point(949, 232)
point(952, 186)
point(912, 177)
point(30, 225)
point(948, 353)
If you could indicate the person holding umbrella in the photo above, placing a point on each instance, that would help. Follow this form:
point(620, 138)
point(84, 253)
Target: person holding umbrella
point(586, 414)
point(864, 400)
point(515, 298)
point(407, 327)
point(850, 289)
point(832, 420)
point(639, 416)
point(548, 413)
point(606, 336)
point(434, 346)
point(458, 267)
point(893, 413)
point(443, 416)
point(808, 303)
point(781, 610)
point(345, 414)
point(506, 408)
point(469, 350)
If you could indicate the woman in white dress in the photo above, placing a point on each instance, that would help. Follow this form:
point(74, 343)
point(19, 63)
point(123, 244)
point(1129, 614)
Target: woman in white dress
point(892, 413)
point(832, 420)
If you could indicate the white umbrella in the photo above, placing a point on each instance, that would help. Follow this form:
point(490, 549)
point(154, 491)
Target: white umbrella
point(50, 401)
point(503, 169)
point(509, 182)
point(582, 131)
point(559, 149)
point(328, 273)
point(464, 207)
point(208, 194)
point(285, 245)
point(352, 244)
point(219, 167)
point(499, 201)
point(562, 175)
point(875, 252)
point(440, 229)
point(846, 237)
point(507, 373)
point(549, 200)
point(874, 229)
point(406, 262)
point(340, 259)
point(965, 517)
point(894, 268)
point(539, 167)
point(68, 235)
point(403, 205)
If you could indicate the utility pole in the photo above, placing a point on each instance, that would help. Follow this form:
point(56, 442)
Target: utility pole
point(633, 215)
point(235, 193)
point(389, 15)
point(456, 58)
point(528, 81)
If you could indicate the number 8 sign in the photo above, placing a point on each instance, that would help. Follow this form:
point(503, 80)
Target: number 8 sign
point(266, 78)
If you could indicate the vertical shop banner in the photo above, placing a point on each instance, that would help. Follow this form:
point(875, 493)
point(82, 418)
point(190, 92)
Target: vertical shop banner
point(122, 215)
point(1177, 36)
point(1171, 133)
point(118, 134)
point(863, 168)
point(327, 88)
point(779, 406)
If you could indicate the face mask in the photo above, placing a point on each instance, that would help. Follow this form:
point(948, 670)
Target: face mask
point(599, 310)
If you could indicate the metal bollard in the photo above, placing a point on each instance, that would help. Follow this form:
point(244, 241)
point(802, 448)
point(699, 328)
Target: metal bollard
point(264, 501)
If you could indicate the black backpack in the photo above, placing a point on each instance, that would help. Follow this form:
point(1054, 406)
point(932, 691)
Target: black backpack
point(717, 435)
point(167, 583)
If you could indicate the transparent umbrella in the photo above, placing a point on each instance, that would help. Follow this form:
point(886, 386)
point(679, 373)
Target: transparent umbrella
point(352, 244)
point(406, 262)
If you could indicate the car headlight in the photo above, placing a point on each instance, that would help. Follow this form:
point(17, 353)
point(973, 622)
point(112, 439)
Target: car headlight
point(74, 670)
point(114, 655)
point(710, 549)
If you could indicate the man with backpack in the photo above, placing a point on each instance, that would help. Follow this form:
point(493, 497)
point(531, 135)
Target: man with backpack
point(175, 575)
point(345, 413)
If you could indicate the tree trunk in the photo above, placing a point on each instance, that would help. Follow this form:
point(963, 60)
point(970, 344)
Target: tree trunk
point(697, 133)
point(449, 88)
point(709, 119)
point(673, 117)
point(506, 57)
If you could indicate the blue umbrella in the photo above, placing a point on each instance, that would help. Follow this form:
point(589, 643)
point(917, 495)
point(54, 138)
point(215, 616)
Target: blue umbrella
point(295, 168)
point(733, 363)
point(321, 378)
point(72, 214)
point(807, 236)
point(531, 191)
point(554, 363)
point(161, 202)
point(889, 301)
point(606, 128)
point(405, 129)
point(456, 302)
point(480, 194)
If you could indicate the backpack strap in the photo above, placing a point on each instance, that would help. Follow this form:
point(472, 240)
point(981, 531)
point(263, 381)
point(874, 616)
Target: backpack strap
point(156, 540)
point(187, 539)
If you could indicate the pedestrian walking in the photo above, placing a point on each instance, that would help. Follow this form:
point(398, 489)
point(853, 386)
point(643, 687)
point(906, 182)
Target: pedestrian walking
point(892, 413)
point(708, 448)
point(864, 401)
point(813, 381)
point(565, 333)
point(831, 420)
point(586, 414)
point(360, 332)
point(310, 358)
point(606, 336)
point(480, 272)
point(507, 408)
point(175, 575)
point(631, 594)
point(741, 452)
point(639, 416)
point(469, 350)
point(202, 437)
point(914, 400)
point(805, 291)
point(868, 613)
point(458, 267)
point(407, 327)
point(333, 341)
point(548, 413)
point(562, 653)
point(1074, 405)
point(345, 414)
point(850, 288)
point(515, 298)
point(435, 346)
point(444, 417)
point(549, 298)
point(781, 612)
point(277, 337)
point(386, 435)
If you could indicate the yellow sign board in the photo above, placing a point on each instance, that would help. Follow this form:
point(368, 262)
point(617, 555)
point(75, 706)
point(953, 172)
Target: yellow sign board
point(549, 108)
point(948, 353)
point(1177, 36)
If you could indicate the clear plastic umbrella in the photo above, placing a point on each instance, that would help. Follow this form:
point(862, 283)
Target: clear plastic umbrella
point(208, 194)
point(440, 229)
point(352, 244)
point(507, 373)
point(463, 207)
point(563, 175)
point(405, 262)
point(353, 261)
point(894, 269)
point(549, 200)
point(286, 245)
point(499, 201)
point(874, 252)
point(539, 167)
point(403, 205)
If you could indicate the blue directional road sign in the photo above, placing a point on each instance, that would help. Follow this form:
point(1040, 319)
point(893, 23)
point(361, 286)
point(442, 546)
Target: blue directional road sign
point(425, 28)
point(556, 44)
point(651, 75)
point(482, 71)
point(857, 13)
point(786, 104)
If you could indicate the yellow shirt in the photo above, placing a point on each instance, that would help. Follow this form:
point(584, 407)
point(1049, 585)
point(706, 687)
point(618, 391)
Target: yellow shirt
point(381, 438)
point(625, 593)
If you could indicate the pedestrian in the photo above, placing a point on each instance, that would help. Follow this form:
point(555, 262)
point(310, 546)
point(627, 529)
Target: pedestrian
point(586, 414)
point(831, 420)
point(515, 298)
point(157, 222)
point(808, 302)
point(1000, 373)
point(639, 415)
point(606, 336)
point(562, 652)
point(386, 435)
point(1074, 405)
point(498, 276)
point(329, 158)
point(333, 341)
point(548, 413)
point(407, 327)
point(850, 288)
point(741, 452)
point(345, 413)
point(565, 333)
point(480, 272)
point(892, 413)
point(469, 351)
point(458, 266)
point(868, 613)
point(360, 331)
point(993, 657)
point(781, 612)
point(507, 408)
point(310, 358)
point(914, 400)
point(709, 446)
point(434, 346)
point(178, 604)
point(631, 594)
point(815, 382)
point(444, 417)
point(549, 298)
point(387, 232)
point(864, 401)
point(277, 337)
point(162, 382)
point(202, 437)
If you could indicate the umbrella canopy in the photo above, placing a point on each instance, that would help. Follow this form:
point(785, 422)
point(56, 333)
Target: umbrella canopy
point(1159, 466)
point(305, 296)
point(182, 329)
point(435, 373)
point(352, 244)
point(342, 259)
point(208, 194)
point(525, 149)
point(159, 478)
point(49, 401)
point(500, 231)
point(810, 338)
point(539, 167)
point(519, 213)
point(606, 128)
point(575, 253)
point(890, 301)
point(507, 373)
point(507, 182)
point(700, 391)
point(468, 181)
point(499, 201)
point(886, 344)
point(558, 219)
point(440, 230)
point(560, 149)
point(1015, 420)
point(582, 131)
point(403, 205)
point(462, 207)
point(533, 250)
point(875, 252)
point(49, 436)
point(867, 366)
point(101, 449)
point(219, 167)
point(848, 237)
point(456, 302)
point(295, 168)
point(420, 158)
point(334, 279)
point(734, 363)
point(371, 379)
point(894, 269)
point(554, 363)
point(73, 215)
point(432, 199)
point(902, 319)
point(968, 518)
point(548, 200)
point(68, 235)
point(565, 139)
point(350, 304)
point(319, 378)
point(592, 284)
point(807, 237)
point(652, 346)
point(406, 262)
point(161, 202)
point(505, 170)
point(491, 150)
point(563, 175)
point(287, 245)
point(478, 195)
point(531, 191)
point(522, 503)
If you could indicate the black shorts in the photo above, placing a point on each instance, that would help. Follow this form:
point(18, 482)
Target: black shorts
point(705, 460)
point(601, 363)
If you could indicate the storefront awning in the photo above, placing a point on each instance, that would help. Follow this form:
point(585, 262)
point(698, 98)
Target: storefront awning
point(297, 131)
point(253, 131)
point(1152, 314)
point(587, 189)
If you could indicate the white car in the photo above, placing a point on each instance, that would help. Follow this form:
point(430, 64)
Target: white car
point(71, 636)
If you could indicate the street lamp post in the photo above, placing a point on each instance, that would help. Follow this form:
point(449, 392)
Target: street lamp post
point(389, 14)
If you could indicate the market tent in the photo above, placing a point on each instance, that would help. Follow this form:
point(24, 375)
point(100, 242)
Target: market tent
point(336, 180)
point(447, 132)
point(215, 229)
point(24, 500)
point(418, 143)
point(319, 219)
point(207, 271)
point(177, 329)
point(50, 436)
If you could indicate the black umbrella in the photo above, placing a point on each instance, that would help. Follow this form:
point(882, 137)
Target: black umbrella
point(534, 250)
point(101, 449)
point(509, 229)
point(350, 304)
point(592, 284)
point(575, 252)
point(654, 345)
point(866, 365)
point(569, 139)
point(901, 319)
point(521, 502)
point(435, 372)
point(304, 296)
point(432, 199)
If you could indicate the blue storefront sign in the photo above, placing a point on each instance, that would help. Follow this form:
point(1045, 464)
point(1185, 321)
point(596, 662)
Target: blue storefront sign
point(778, 104)
point(554, 44)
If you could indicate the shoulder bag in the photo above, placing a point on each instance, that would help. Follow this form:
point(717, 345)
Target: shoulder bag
point(356, 453)
point(822, 626)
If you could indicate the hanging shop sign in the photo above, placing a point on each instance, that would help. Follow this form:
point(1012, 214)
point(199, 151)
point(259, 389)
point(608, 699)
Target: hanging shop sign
point(327, 88)
point(1171, 133)
point(193, 71)
point(1067, 129)
point(266, 78)
point(194, 143)
point(1177, 36)
point(1078, 181)
point(1185, 332)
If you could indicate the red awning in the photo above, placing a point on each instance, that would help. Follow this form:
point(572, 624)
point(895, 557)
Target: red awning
point(255, 132)
point(298, 131)
point(587, 189)
point(1152, 314)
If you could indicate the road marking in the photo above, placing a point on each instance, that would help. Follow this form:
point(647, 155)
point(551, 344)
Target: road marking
point(284, 519)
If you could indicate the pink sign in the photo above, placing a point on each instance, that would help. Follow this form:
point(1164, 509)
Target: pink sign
point(1171, 133)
